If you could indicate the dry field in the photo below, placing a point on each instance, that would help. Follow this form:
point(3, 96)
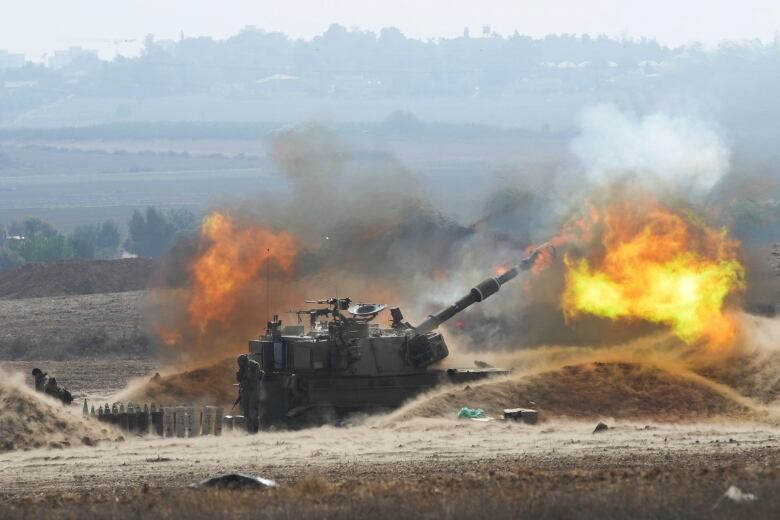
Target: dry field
point(65, 327)
point(424, 468)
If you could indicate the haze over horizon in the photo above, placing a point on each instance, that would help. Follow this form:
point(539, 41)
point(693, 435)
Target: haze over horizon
point(37, 28)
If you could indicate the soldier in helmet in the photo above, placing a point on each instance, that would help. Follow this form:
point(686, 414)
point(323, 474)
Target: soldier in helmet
point(52, 388)
point(249, 377)
point(40, 379)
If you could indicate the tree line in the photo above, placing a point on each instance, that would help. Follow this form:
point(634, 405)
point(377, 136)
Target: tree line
point(149, 234)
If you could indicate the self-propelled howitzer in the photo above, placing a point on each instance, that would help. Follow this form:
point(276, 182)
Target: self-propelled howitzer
point(345, 362)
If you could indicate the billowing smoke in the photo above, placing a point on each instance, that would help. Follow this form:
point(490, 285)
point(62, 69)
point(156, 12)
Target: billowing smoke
point(679, 154)
point(657, 174)
point(354, 224)
point(358, 223)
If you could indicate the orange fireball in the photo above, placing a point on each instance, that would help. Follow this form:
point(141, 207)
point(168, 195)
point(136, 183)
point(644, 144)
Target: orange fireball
point(659, 266)
point(231, 258)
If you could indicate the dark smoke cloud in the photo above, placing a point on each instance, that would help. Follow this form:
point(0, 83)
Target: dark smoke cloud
point(367, 229)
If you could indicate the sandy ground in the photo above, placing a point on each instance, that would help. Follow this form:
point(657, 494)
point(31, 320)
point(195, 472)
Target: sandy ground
point(442, 453)
point(403, 465)
point(363, 451)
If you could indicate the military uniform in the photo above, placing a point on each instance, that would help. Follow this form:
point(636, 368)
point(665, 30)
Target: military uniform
point(250, 376)
point(40, 379)
point(52, 389)
point(242, 360)
point(55, 391)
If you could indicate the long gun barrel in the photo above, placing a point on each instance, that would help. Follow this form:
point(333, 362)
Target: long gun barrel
point(481, 291)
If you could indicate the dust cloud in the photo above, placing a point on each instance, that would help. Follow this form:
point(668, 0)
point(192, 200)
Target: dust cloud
point(207, 385)
point(32, 420)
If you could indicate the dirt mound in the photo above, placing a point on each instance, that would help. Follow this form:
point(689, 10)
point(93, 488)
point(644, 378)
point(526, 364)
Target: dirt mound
point(591, 391)
point(30, 420)
point(74, 277)
point(583, 391)
point(208, 385)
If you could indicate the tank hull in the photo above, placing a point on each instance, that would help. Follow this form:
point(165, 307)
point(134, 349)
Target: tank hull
point(291, 399)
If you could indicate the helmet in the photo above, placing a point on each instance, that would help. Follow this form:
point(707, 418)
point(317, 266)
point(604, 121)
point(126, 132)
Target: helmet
point(242, 360)
point(36, 371)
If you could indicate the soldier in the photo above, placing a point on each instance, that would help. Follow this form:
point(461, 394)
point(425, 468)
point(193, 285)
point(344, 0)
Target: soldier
point(40, 379)
point(242, 360)
point(55, 391)
point(52, 389)
point(249, 377)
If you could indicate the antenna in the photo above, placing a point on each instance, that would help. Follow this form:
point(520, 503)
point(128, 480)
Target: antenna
point(268, 284)
point(336, 278)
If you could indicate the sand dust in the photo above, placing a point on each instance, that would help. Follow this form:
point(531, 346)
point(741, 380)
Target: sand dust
point(208, 385)
point(32, 420)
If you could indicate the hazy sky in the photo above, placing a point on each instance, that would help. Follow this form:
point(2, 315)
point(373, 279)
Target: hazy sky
point(37, 27)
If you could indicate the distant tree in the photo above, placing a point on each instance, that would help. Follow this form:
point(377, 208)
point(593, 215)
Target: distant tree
point(82, 241)
point(95, 240)
point(33, 240)
point(31, 226)
point(149, 233)
point(153, 232)
point(181, 219)
point(108, 235)
point(42, 248)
